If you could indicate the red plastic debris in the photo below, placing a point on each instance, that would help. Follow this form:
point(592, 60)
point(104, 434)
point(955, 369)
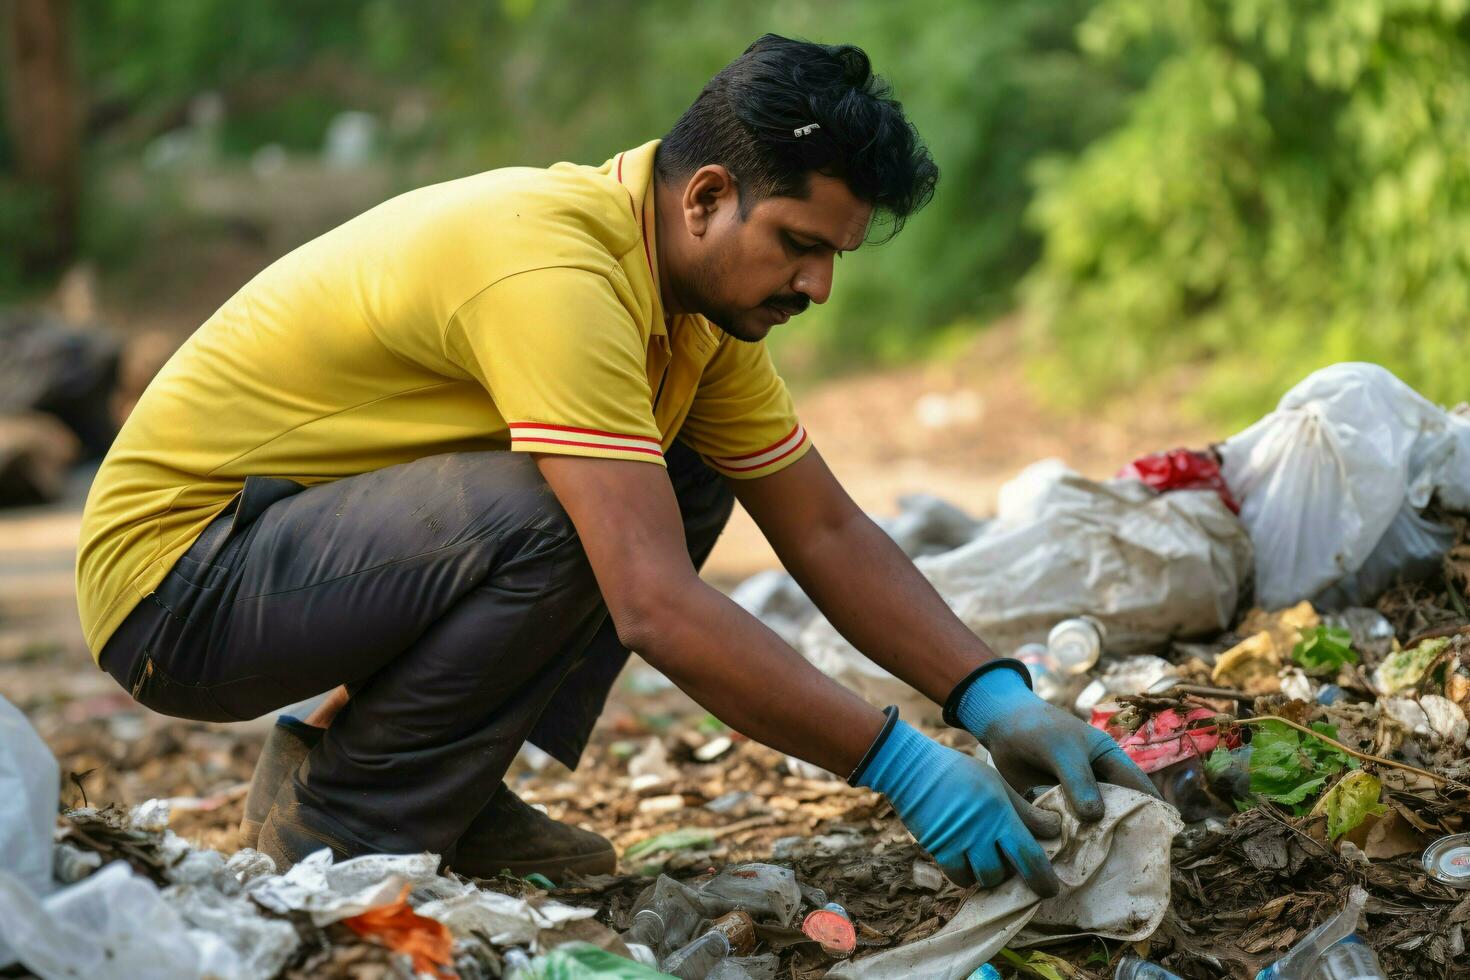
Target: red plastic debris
point(1164, 739)
point(833, 932)
point(403, 930)
point(1181, 469)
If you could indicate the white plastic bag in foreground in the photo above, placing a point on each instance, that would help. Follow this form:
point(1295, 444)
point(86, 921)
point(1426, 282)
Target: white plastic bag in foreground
point(30, 784)
point(112, 924)
point(1332, 482)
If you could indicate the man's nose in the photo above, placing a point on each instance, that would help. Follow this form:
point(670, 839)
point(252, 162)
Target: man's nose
point(814, 280)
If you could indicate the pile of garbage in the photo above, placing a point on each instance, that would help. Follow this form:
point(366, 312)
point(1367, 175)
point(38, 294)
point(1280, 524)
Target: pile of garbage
point(1214, 612)
point(1274, 628)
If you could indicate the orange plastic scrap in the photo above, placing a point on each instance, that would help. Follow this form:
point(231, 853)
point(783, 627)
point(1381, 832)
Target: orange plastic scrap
point(403, 930)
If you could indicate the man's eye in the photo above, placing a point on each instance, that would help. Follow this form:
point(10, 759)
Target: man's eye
point(797, 246)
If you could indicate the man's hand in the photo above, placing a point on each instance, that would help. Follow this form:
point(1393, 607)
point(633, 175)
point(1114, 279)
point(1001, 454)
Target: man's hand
point(1035, 744)
point(960, 811)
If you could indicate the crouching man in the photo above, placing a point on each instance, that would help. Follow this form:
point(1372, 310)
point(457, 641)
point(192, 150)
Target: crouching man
point(454, 458)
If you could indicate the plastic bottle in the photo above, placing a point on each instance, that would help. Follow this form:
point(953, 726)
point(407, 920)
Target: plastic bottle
point(1130, 967)
point(1076, 644)
point(728, 969)
point(678, 909)
point(647, 928)
point(1300, 962)
point(695, 960)
point(1047, 679)
point(1351, 959)
point(1184, 786)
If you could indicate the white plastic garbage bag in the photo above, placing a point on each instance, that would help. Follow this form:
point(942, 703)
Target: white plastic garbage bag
point(30, 785)
point(1331, 485)
point(1151, 567)
point(112, 924)
point(1115, 883)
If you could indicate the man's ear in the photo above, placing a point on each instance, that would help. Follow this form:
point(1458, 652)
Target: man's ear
point(710, 188)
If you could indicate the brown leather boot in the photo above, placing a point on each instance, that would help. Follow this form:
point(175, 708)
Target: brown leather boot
point(291, 832)
point(285, 749)
point(511, 835)
point(508, 834)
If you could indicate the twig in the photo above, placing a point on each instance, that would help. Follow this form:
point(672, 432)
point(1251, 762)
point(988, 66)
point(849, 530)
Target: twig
point(1211, 692)
point(1361, 756)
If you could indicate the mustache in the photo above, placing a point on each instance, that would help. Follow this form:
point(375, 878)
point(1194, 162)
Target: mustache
point(793, 304)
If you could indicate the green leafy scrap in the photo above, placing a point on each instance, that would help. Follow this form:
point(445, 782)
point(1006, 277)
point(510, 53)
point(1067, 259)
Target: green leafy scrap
point(1349, 803)
point(1323, 649)
point(1405, 668)
point(1288, 769)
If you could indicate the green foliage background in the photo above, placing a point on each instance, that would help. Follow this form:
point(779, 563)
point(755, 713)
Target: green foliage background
point(1291, 188)
point(1258, 186)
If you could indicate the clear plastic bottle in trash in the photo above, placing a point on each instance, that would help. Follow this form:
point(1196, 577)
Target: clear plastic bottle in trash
point(647, 928)
point(695, 960)
point(1304, 960)
point(678, 910)
point(1131, 967)
point(1076, 644)
point(1047, 680)
point(1350, 959)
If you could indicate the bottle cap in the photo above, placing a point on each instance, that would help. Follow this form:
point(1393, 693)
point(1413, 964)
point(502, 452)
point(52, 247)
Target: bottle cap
point(1448, 860)
point(833, 932)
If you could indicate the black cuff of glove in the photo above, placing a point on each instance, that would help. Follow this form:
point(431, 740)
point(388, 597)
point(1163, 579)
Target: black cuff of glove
point(890, 719)
point(952, 703)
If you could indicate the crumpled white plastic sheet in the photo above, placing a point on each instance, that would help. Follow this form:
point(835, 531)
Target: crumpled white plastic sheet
point(331, 892)
point(1331, 485)
point(1151, 567)
point(112, 924)
point(505, 920)
point(1115, 884)
point(233, 939)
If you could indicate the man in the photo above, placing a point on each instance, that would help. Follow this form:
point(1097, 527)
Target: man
point(455, 457)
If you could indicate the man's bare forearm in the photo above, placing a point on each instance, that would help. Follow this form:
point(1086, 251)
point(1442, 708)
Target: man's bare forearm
point(733, 665)
point(872, 593)
point(864, 583)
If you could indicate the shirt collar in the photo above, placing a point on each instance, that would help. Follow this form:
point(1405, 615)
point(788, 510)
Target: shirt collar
point(634, 170)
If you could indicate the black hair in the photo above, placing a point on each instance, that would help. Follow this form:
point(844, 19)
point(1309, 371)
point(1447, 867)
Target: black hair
point(786, 108)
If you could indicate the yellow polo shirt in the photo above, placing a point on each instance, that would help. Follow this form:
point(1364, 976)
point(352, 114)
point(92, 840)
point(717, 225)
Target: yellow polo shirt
point(516, 309)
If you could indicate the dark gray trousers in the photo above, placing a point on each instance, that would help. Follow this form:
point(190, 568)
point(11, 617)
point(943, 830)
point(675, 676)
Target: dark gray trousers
point(451, 595)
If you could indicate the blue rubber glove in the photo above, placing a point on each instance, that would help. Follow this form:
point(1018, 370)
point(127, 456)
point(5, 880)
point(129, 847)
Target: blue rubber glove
point(959, 810)
point(1034, 743)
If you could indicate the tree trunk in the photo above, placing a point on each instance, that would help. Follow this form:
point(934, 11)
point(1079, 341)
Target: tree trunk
point(42, 117)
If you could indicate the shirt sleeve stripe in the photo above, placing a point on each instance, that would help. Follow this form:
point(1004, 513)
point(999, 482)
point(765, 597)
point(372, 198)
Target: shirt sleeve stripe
point(520, 430)
point(773, 447)
point(586, 445)
point(764, 462)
